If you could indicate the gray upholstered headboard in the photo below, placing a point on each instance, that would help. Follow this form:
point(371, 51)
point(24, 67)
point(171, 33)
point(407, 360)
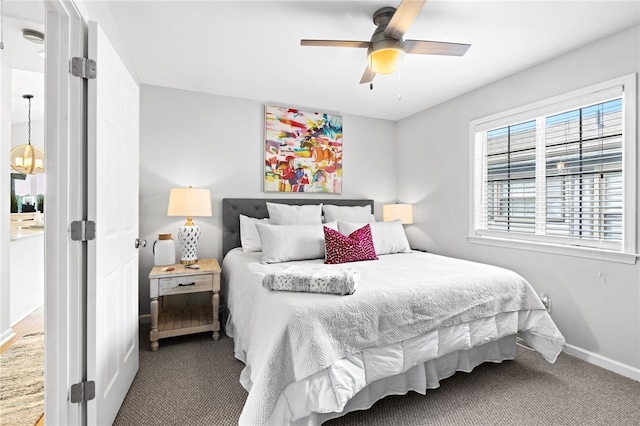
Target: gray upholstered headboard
point(257, 207)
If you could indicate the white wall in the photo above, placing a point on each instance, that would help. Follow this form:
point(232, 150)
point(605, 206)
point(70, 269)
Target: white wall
point(23, 287)
point(19, 133)
point(215, 142)
point(5, 207)
point(596, 314)
point(27, 276)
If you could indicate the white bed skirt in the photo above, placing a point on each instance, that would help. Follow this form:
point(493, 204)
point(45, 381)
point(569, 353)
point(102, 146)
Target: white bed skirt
point(357, 381)
point(419, 378)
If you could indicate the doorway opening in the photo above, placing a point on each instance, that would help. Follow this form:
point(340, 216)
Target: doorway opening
point(22, 265)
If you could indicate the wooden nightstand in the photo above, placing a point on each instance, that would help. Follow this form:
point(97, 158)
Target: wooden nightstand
point(182, 280)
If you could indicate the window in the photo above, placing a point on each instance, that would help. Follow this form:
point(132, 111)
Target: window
point(27, 193)
point(559, 175)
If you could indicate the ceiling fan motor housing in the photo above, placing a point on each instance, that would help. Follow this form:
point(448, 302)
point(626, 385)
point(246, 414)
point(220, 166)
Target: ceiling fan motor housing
point(385, 54)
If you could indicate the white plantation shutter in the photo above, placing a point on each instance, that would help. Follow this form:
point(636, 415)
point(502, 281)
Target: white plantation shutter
point(558, 172)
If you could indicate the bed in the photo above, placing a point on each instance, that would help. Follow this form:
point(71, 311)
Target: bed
point(414, 319)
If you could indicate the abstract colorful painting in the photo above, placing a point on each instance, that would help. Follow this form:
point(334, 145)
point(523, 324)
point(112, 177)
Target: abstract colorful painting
point(303, 151)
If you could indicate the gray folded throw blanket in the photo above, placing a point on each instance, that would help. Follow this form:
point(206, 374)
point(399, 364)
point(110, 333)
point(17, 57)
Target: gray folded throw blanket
point(315, 279)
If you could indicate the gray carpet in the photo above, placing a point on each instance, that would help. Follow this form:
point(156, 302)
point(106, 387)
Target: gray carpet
point(193, 380)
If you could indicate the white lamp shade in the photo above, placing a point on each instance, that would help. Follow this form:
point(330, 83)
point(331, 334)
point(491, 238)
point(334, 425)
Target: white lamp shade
point(189, 202)
point(404, 212)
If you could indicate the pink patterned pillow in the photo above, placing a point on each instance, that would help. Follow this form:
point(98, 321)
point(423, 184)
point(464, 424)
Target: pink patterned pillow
point(357, 246)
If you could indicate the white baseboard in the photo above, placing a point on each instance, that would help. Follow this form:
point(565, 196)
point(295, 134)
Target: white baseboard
point(604, 362)
point(8, 334)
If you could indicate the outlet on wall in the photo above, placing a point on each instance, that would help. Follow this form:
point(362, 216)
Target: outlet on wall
point(546, 301)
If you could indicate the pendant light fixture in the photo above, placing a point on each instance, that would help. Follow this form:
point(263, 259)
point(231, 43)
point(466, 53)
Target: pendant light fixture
point(27, 159)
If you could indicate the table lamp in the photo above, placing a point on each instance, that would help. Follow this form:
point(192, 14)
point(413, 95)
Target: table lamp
point(189, 202)
point(404, 212)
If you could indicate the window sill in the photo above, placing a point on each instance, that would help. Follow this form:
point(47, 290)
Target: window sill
point(584, 252)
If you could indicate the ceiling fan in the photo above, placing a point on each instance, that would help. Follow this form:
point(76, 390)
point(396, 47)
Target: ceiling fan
point(387, 48)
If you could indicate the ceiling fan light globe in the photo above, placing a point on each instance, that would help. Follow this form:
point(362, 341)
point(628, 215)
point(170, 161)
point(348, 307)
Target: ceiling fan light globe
point(387, 60)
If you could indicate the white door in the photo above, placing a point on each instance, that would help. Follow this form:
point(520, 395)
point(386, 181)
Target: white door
point(64, 259)
point(112, 259)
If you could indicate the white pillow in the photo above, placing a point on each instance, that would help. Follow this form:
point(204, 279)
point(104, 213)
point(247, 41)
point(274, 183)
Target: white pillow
point(347, 213)
point(283, 243)
point(249, 237)
point(388, 237)
point(285, 214)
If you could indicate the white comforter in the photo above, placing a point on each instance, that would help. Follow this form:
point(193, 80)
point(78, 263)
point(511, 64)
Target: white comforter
point(285, 337)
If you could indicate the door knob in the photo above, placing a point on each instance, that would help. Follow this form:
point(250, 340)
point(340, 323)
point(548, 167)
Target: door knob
point(140, 243)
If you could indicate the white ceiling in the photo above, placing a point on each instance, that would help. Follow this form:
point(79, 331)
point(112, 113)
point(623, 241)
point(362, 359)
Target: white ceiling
point(252, 49)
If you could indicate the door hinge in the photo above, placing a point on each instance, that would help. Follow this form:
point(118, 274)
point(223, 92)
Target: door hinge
point(83, 230)
point(83, 391)
point(83, 68)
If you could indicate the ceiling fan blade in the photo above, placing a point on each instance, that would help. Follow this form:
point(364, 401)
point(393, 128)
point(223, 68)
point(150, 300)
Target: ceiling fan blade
point(403, 17)
point(335, 43)
point(368, 75)
point(424, 47)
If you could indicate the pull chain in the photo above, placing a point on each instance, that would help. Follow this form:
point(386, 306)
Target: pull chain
point(371, 68)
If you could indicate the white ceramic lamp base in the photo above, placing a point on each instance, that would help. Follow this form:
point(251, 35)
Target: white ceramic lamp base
point(189, 237)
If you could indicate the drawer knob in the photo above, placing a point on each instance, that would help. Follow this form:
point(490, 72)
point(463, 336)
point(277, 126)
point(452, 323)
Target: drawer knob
point(186, 285)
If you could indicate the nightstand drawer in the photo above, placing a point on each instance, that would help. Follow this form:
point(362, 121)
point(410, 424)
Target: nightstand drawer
point(185, 284)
